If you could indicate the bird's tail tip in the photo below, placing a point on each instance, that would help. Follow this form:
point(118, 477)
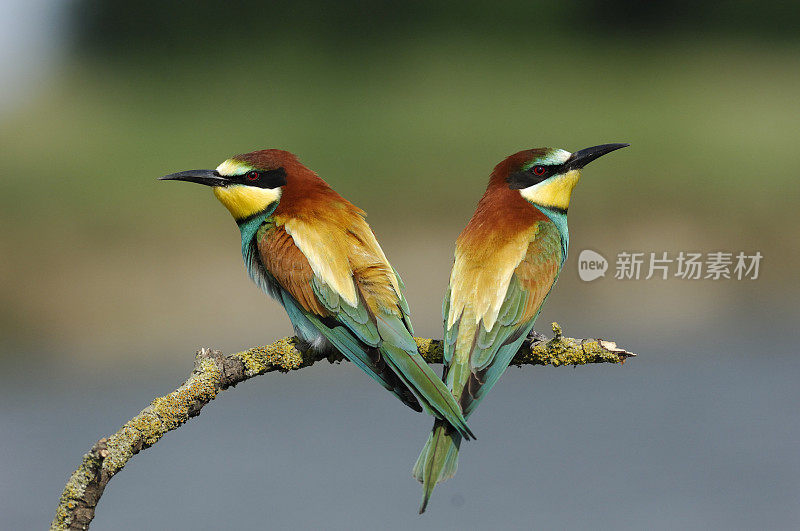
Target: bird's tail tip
point(438, 460)
point(424, 504)
point(427, 491)
point(467, 433)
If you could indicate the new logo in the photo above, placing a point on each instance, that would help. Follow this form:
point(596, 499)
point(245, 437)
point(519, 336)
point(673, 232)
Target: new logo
point(591, 265)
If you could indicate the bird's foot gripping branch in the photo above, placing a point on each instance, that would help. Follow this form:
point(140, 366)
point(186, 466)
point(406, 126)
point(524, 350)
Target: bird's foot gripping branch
point(214, 372)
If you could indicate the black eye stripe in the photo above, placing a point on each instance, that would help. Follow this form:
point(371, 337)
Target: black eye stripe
point(264, 178)
point(525, 178)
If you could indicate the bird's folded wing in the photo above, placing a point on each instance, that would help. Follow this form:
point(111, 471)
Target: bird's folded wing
point(490, 351)
point(356, 318)
point(395, 347)
point(312, 305)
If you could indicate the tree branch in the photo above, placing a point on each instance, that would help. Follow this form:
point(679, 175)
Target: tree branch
point(214, 372)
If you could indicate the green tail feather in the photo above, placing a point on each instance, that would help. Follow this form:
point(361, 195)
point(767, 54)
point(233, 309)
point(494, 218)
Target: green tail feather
point(400, 352)
point(433, 395)
point(438, 460)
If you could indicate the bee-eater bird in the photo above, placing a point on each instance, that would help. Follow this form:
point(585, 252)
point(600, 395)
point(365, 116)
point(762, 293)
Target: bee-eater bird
point(507, 260)
point(312, 250)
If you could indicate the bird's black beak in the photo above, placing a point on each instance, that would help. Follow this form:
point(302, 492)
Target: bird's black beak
point(581, 158)
point(207, 177)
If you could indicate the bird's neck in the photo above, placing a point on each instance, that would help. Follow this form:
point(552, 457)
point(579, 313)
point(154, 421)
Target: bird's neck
point(248, 227)
point(559, 219)
point(310, 197)
point(512, 200)
point(502, 213)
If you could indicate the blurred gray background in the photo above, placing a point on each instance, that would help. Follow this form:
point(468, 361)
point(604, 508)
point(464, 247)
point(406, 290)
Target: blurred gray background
point(110, 280)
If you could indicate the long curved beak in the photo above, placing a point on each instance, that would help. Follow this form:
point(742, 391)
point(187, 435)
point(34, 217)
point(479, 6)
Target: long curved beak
point(206, 177)
point(581, 158)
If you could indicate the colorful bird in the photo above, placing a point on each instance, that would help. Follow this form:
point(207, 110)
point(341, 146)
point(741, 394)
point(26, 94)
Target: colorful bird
point(312, 250)
point(507, 260)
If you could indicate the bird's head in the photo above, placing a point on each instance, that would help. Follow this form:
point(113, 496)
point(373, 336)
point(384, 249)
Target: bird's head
point(246, 184)
point(547, 176)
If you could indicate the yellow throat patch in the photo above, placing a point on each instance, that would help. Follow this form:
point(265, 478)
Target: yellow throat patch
point(554, 192)
point(243, 201)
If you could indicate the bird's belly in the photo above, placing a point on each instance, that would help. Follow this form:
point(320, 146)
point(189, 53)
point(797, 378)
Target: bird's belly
point(315, 340)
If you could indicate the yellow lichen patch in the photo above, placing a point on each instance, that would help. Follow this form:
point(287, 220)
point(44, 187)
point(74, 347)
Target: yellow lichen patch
point(148, 426)
point(204, 385)
point(169, 412)
point(208, 367)
point(569, 351)
point(75, 489)
point(119, 446)
point(173, 409)
point(282, 355)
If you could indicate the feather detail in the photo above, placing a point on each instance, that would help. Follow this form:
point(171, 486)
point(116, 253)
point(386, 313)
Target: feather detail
point(480, 354)
point(438, 460)
point(343, 252)
point(507, 259)
point(334, 280)
point(488, 250)
point(372, 332)
point(289, 267)
point(326, 254)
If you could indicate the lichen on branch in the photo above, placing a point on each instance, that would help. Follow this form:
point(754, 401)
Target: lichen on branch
point(214, 372)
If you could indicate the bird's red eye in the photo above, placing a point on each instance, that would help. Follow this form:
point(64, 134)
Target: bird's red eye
point(538, 170)
point(252, 176)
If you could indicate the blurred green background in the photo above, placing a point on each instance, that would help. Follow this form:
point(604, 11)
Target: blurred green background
point(110, 279)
